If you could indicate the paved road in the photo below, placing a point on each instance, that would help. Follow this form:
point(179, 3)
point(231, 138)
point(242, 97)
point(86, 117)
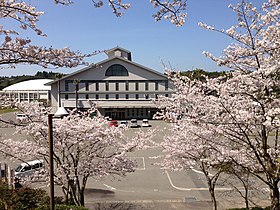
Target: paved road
point(149, 187)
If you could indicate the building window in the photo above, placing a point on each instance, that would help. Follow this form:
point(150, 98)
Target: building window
point(146, 85)
point(96, 96)
point(117, 96)
point(147, 96)
point(97, 86)
point(66, 96)
point(116, 70)
point(156, 96)
point(126, 96)
point(117, 86)
point(126, 85)
point(87, 86)
point(136, 86)
point(66, 86)
point(107, 86)
point(87, 97)
point(166, 85)
point(107, 96)
point(136, 96)
point(156, 85)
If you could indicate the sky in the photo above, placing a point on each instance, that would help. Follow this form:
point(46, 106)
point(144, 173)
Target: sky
point(85, 28)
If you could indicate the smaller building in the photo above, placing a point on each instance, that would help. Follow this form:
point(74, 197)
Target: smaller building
point(30, 90)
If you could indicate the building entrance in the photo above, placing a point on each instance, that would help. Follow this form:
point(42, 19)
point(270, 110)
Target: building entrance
point(116, 114)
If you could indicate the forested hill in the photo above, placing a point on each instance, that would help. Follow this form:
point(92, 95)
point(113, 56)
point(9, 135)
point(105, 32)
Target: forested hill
point(200, 74)
point(7, 81)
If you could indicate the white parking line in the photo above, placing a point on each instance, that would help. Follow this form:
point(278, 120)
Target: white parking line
point(192, 189)
point(115, 189)
point(199, 172)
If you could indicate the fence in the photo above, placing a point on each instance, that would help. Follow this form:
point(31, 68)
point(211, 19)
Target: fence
point(7, 174)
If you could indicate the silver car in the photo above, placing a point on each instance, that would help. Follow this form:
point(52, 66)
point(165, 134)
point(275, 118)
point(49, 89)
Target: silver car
point(28, 168)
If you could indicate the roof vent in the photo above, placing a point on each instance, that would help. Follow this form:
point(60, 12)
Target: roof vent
point(119, 52)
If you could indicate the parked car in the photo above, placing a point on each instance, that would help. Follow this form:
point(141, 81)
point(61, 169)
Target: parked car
point(113, 123)
point(123, 124)
point(145, 123)
point(133, 123)
point(28, 168)
point(21, 117)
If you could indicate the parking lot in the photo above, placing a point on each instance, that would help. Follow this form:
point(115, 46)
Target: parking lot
point(148, 185)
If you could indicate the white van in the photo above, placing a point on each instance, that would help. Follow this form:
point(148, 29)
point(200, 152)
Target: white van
point(133, 123)
point(28, 168)
point(21, 117)
point(145, 123)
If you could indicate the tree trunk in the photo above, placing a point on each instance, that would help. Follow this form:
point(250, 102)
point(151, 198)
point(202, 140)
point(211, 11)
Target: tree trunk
point(213, 198)
point(211, 183)
point(82, 197)
point(275, 196)
point(65, 193)
point(73, 192)
point(246, 198)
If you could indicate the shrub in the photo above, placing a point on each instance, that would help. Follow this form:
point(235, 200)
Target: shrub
point(5, 195)
point(27, 198)
point(30, 199)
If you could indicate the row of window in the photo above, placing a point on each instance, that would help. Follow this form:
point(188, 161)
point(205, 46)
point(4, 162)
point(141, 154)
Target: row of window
point(23, 95)
point(136, 85)
point(146, 96)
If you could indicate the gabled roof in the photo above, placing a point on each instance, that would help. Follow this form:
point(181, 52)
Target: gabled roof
point(105, 61)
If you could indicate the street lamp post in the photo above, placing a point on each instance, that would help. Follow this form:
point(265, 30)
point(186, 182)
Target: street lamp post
point(58, 76)
point(76, 82)
point(59, 114)
point(50, 135)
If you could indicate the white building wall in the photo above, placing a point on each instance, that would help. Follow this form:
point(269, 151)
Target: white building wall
point(137, 74)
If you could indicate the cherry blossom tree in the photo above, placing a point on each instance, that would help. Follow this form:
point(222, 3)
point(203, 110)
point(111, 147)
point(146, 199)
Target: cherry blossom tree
point(251, 97)
point(15, 49)
point(83, 147)
point(173, 10)
point(194, 143)
point(194, 148)
point(240, 110)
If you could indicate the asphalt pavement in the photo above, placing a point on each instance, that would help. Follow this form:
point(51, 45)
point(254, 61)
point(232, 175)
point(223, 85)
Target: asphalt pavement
point(149, 187)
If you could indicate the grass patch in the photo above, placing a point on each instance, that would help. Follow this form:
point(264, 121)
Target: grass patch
point(7, 110)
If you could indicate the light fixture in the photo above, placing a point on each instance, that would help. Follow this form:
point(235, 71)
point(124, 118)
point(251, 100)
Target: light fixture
point(61, 111)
